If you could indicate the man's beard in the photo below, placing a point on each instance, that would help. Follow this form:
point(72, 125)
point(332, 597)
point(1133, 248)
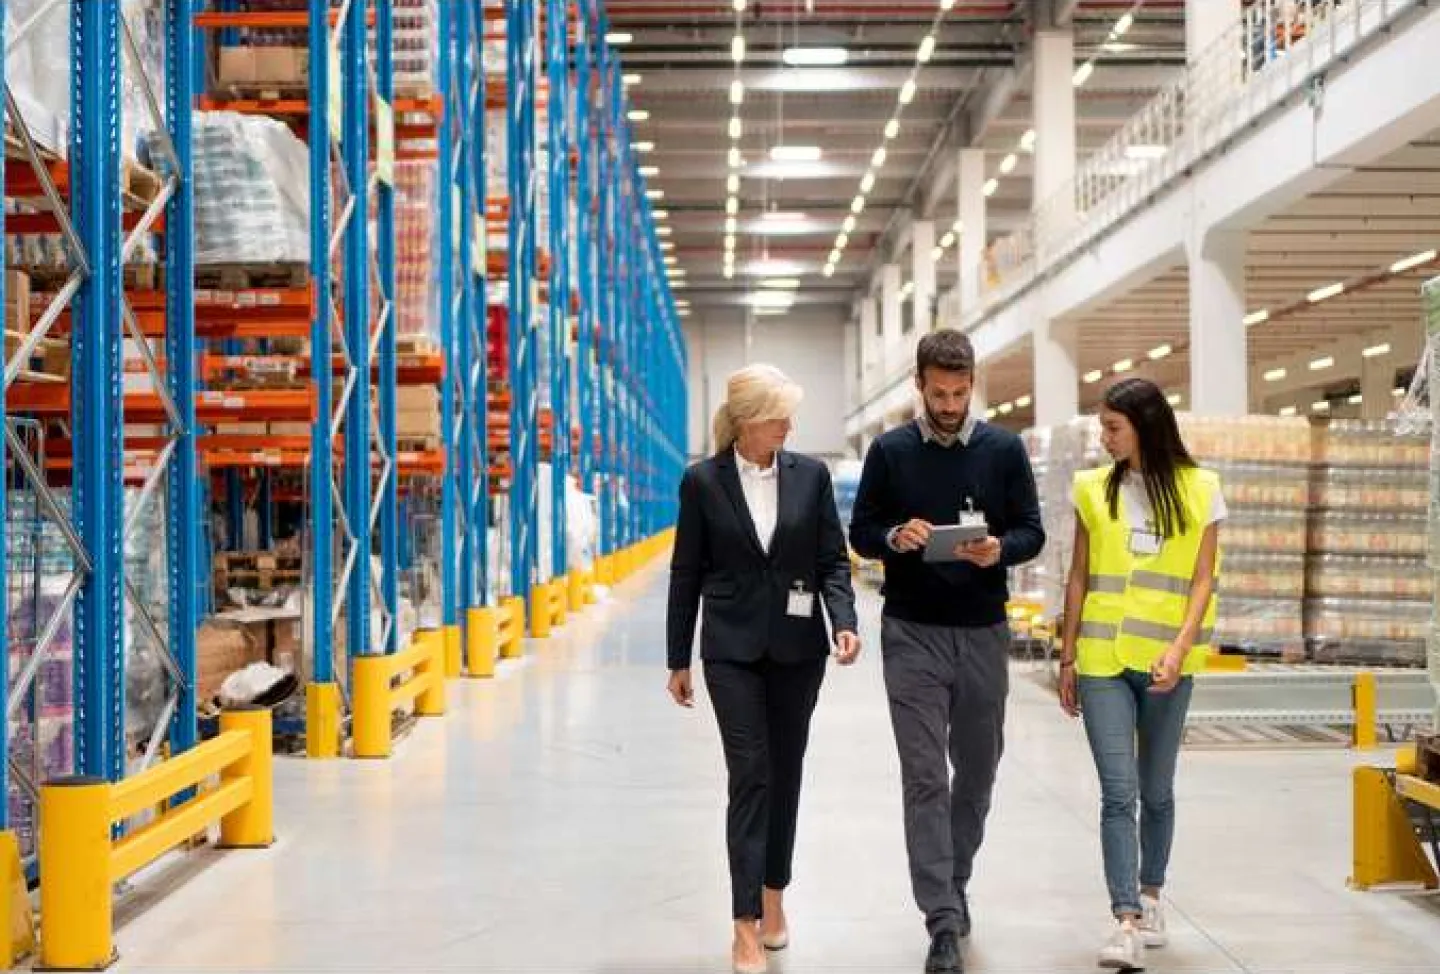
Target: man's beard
point(948, 427)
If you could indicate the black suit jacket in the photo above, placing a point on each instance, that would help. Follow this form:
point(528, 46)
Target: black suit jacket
point(718, 559)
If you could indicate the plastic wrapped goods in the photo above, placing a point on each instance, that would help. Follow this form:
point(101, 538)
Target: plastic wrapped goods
point(252, 191)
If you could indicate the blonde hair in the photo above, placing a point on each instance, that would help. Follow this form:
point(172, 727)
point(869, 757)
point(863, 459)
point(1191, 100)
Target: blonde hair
point(755, 394)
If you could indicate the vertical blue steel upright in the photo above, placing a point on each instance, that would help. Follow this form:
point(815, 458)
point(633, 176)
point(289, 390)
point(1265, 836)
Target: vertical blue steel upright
point(524, 413)
point(322, 510)
point(478, 502)
point(387, 376)
point(464, 299)
point(182, 552)
point(444, 278)
point(585, 54)
point(557, 116)
point(96, 403)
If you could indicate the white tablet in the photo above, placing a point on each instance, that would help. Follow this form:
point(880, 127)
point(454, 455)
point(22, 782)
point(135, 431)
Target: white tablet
point(945, 538)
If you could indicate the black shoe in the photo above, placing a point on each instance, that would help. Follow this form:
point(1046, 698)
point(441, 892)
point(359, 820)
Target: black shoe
point(944, 955)
point(963, 924)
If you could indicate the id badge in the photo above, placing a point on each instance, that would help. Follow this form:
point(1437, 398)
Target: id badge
point(1144, 543)
point(801, 604)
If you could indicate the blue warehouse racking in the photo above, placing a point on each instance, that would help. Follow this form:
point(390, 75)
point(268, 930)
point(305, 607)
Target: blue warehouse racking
point(584, 384)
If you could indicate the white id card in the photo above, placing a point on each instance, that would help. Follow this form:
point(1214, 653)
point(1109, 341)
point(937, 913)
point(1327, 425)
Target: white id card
point(1144, 543)
point(801, 604)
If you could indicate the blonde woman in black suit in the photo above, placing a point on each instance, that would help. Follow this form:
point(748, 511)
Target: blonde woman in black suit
point(759, 545)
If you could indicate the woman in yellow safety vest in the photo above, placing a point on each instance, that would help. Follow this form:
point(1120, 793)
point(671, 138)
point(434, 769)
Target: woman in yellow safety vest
point(1139, 611)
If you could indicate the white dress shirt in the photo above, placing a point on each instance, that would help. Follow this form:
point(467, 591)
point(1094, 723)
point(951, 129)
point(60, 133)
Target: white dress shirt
point(762, 495)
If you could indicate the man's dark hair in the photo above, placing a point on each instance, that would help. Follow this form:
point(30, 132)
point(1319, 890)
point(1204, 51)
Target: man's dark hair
point(947, 350)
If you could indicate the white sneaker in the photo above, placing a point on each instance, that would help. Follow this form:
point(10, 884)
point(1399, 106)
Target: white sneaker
point(1152, 923)
point(1122, 951)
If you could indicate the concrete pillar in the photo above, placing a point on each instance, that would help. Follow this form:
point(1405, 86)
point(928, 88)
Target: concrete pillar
point(1219, 350)
point(872, 353)
point(1377, 386)
point(853, 375)
point(1054, 100)
point(970, 192)
point(922, 272)
point(890, 318)
point(1057, 374)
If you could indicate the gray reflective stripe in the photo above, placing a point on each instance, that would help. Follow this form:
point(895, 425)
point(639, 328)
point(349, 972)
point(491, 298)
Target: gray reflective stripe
point(1158, 631)
point(1106, 583)
point(1099, 630)
point(1160, 583)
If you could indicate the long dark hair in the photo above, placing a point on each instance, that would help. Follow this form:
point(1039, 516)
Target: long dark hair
point(1162, 453)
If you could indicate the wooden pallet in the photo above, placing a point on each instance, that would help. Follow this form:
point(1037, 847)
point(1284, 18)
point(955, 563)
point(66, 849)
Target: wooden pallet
point(418, 444)
point(416, 345)
point(256, 570)
point(243, 277)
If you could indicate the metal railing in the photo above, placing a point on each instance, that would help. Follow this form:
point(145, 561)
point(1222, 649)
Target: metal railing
point(1276, 49)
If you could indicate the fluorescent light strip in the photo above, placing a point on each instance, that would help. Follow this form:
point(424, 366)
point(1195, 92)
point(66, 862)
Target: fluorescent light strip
point(1326, 292)
point(927, 49)
point(1007, 165)
point(1257, 317)
point(1374, 351)
point(1320, 364)
point(1158, 352)
point(1093, 377)
point(1410, 263)
point(1275, 375)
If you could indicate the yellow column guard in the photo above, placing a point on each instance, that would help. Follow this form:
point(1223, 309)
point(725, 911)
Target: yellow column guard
point(322, 720)
point(482, 638)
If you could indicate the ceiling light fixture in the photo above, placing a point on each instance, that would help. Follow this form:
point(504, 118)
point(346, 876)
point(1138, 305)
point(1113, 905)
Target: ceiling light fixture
point(1007, 165)
point(857, 204)
point(892, 128)
point(1027, 141)
point(867, 183)
point(735, 160)
point(814, 57)
point(849, 225)
point(1287, 411)
point(630, 79)
point(947, 4)
point(1173, 399)
point(732, 206)
point(644, 146)
point(1275, 375)
point(729, 224)
point(927, 49)
point(1158, 352)
point(1093, 377)
point(1326, 292)
point(638, 115)
point(991, 185)
point(655, 194)
point(732, 183)
point(937, 252)
point(1082, 74)
point(1124, 365)
point(737, 48)
point(1323, 406)
point(739, 6)
point(1257, 317)
point(664, 231)
point(878, 159)
point(795, 153)
point(1005, 408)
point(735, 127)
point(619, 37)
point(907, 91)
point(649, 170)
point(1357, 400)
point(1410, 263)
point(781, 283)
point(947, 241)
point(1123, 24)
point(1322, 363)
point(737, 92)
point(842, 241)
point(1375, 351)
point(829, 270)
point(1023, 402)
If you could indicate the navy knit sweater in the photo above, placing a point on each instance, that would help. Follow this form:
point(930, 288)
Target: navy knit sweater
point(905, 477)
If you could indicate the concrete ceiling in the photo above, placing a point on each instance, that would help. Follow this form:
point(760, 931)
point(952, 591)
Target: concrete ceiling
point(1354, 231)
point(973, 91)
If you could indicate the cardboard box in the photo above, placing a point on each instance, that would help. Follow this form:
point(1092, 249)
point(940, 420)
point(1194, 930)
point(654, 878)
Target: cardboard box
point(289, 429)
point(412, 425)
point(417, 399)
point(282, 66)
point(241, 429)
point(17, 310)
point(222, 648)
point(237, 66)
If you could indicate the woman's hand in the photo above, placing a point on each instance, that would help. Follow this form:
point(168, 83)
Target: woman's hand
point(682, 691)
point(1069, 690)
point(847, 648)
point(1165, 673)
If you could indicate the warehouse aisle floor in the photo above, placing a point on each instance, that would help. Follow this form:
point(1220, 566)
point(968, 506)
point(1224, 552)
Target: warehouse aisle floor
point(567, 817)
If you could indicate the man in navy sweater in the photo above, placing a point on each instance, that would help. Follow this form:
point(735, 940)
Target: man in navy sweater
point(945, 636)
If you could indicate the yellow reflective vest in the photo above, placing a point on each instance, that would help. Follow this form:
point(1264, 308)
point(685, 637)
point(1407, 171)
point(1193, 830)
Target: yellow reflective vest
point(1135, 604)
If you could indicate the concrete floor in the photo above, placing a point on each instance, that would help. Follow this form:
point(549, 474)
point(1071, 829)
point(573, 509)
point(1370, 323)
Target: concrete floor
point(567, 817)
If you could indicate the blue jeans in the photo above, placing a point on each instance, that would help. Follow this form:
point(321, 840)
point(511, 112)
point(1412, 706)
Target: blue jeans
point(1135, 738)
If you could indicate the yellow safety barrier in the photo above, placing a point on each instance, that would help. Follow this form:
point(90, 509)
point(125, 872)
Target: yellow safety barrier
point(547, 607)
point(377, 694)
point(512, 627)
point(1385, 848)
point(17, 925)
point(1365, 710)
point(80, 861)
point(575, 590)
point(454, 657)
point(1225, 663)
point(482, 642)
point(322, 720)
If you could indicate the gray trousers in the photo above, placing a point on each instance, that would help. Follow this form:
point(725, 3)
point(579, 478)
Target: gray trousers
point(947, 690)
